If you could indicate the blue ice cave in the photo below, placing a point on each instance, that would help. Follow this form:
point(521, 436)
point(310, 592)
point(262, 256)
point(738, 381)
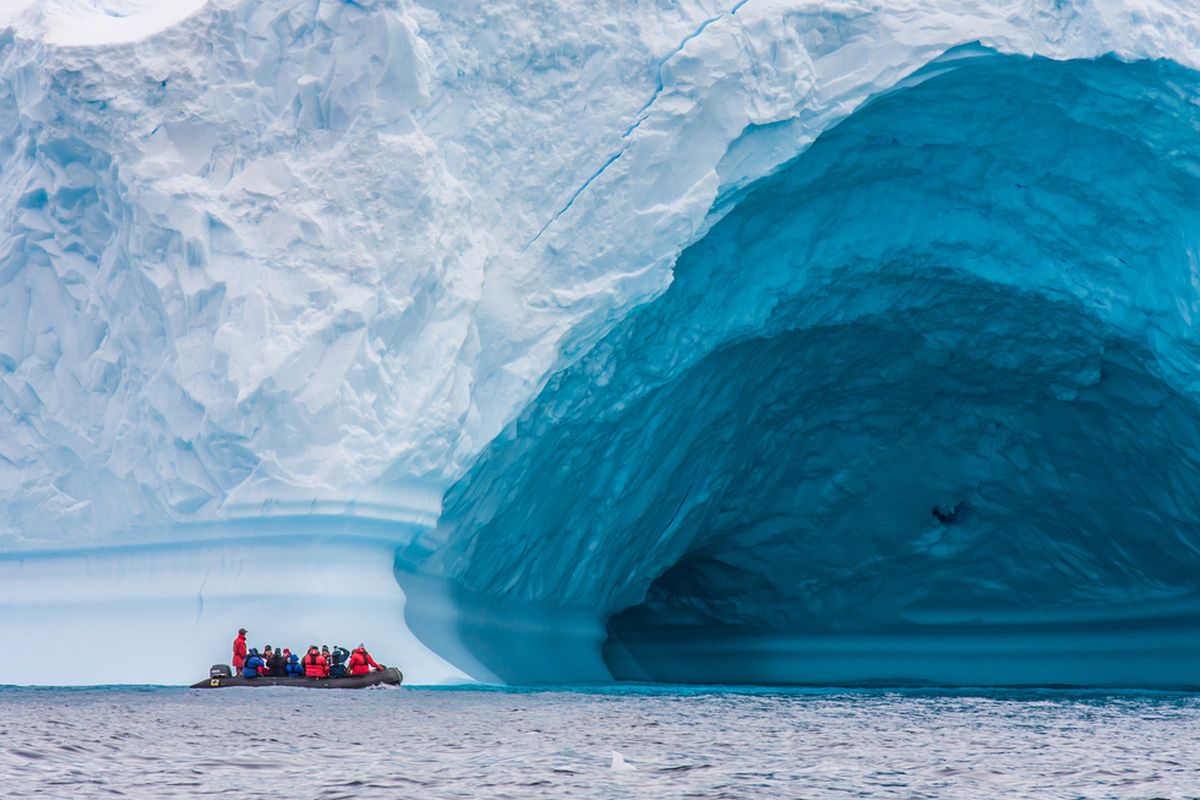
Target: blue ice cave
point(922, 406)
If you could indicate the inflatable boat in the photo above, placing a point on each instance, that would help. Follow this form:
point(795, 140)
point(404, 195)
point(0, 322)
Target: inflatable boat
point(386, 677)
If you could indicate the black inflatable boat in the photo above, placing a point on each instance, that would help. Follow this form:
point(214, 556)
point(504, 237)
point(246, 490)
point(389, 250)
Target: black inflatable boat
point(388, 677)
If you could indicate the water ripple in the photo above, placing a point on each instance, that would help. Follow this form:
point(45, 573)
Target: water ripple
point(685, 743)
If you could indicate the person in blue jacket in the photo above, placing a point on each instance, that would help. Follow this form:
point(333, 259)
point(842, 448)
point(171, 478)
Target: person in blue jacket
point(253, 661)
point(294, 668)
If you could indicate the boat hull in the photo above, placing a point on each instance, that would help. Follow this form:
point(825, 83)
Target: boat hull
point(387, 677)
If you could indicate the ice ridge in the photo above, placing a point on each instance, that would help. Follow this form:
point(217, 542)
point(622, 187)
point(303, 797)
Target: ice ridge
point(353, 265)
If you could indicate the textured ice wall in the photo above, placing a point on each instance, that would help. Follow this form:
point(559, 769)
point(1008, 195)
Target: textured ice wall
point(309, 258)
point(922, 406)
point(312, 256)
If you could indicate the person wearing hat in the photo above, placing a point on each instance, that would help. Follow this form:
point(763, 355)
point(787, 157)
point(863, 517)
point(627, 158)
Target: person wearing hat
point(254, 665)
point(361, 661)
point(314, 663)
point(337, 661)
point(239, 651)
point(277, 664)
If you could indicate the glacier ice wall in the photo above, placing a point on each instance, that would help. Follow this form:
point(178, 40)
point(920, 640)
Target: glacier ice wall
point(287, 268)
point(313, 256)
point(922, 406)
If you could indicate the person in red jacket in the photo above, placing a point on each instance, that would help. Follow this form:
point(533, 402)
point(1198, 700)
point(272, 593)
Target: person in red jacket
point(239, 651)
point(314, 663)
point(361, 661)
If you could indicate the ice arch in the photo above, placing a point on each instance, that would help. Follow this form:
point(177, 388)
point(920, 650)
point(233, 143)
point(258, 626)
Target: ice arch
point(921, 406)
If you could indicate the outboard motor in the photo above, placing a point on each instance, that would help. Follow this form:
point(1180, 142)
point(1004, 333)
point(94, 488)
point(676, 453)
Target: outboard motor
point(220, 671)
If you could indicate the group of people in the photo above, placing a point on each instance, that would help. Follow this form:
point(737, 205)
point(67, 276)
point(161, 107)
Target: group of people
point(316, 663)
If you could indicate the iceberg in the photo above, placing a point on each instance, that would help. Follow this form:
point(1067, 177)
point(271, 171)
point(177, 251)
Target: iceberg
point(907, 412)
point(762, 341)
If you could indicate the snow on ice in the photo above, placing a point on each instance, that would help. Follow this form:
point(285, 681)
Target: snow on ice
point(760, 340)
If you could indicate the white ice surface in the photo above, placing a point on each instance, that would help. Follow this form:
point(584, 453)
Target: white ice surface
point(87, 23)
point(312, 256)
point(278, 257)
point(162, 615)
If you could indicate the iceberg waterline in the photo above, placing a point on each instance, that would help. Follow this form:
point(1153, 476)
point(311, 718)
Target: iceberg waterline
point(302, 263)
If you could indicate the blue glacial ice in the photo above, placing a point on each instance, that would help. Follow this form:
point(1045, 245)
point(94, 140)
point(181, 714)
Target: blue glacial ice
point(922, 406)
point(758, 341)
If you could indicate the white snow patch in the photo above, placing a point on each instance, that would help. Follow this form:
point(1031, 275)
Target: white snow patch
point(91, 23)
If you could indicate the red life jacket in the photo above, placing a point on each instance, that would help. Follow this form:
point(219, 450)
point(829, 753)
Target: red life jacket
point(359, 663)
point(314, 665)
point(239, 651)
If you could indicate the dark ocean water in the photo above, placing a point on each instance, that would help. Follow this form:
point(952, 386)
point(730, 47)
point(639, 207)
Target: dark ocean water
point(681, 742)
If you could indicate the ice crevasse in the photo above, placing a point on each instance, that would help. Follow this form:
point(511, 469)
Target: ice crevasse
point(761, 341)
